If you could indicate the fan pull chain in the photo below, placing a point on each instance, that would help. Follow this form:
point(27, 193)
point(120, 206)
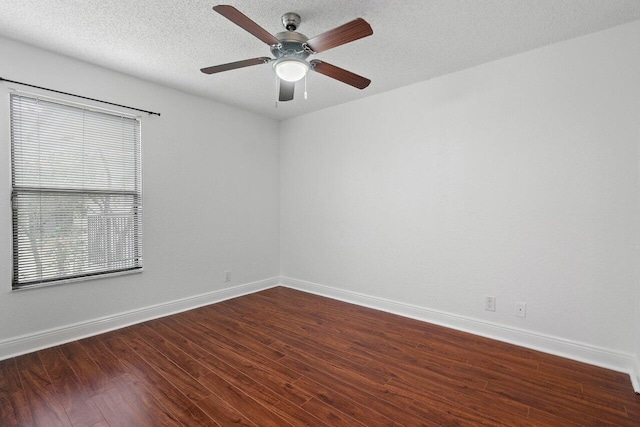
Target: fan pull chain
point(305, 86)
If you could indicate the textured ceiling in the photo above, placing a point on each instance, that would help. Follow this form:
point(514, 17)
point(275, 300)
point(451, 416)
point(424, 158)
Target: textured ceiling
point(168, 41)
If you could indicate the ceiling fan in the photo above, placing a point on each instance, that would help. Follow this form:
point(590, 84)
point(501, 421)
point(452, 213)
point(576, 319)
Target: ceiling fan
point(291, 50)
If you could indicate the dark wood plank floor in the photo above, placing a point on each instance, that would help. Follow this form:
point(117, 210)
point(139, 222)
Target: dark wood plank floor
point(282, 357)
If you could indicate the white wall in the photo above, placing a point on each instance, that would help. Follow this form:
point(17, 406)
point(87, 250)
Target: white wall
point(211, 198)
point(516, 179)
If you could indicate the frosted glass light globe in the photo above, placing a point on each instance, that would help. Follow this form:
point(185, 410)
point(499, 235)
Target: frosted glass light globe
point(291, 70)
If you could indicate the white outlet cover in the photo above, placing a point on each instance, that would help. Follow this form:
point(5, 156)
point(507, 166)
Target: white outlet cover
point(490, 303)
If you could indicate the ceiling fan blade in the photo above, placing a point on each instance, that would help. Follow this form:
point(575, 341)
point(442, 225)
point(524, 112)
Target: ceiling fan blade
point(286, 90)
point(339, 74)
point(241, 20)
point(343, 34)
point(234, 65)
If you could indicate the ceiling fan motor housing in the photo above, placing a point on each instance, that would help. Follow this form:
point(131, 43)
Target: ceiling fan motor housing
point(291, 45)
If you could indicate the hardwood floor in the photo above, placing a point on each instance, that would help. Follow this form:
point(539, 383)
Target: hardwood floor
point(282, 357)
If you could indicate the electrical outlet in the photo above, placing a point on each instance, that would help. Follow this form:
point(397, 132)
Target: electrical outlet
point(490, 303)
point(521, 309)
point(227, 276)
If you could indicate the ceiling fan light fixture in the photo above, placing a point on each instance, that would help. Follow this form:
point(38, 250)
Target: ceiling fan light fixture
point(291, 69)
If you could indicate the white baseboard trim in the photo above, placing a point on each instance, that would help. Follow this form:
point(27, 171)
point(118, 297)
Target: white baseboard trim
point(52, 337)
point(594, 355)
point(635, 375)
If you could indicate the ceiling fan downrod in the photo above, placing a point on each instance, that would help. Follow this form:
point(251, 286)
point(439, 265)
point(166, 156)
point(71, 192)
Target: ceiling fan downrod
point(291, 21)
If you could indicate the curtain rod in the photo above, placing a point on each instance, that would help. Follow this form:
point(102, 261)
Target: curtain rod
point(78, 96)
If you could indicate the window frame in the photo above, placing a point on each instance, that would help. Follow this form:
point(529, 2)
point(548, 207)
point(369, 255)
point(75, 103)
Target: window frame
point(137, 195)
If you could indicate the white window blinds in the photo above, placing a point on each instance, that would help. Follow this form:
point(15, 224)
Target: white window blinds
point(77, 192)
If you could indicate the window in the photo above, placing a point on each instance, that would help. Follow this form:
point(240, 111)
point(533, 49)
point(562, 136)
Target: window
point(77, 192)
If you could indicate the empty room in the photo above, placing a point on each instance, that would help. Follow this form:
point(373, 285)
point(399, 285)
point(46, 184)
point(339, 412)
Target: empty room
point(320, 213)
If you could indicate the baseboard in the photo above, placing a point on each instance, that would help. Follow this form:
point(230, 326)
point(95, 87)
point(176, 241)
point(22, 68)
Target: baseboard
point(617, 361)
point(635, 375)
point(44, 339)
